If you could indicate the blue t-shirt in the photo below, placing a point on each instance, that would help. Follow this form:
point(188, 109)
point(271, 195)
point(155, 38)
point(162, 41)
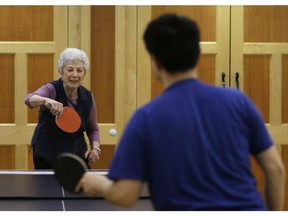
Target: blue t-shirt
point(192, 144)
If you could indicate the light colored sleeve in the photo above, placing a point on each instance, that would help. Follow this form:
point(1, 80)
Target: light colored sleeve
point(93, 131)
point(46, 90)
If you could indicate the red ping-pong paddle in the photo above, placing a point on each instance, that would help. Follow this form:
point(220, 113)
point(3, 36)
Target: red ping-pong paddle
point(69, 169)
point(69, 121)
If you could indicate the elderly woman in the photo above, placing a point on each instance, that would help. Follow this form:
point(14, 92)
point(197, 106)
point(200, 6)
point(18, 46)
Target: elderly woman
point(48, 140)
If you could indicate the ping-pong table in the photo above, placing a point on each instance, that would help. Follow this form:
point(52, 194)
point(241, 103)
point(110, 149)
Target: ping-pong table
point(40, 191)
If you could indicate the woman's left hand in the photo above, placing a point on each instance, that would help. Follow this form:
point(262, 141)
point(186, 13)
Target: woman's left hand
point(92, 155)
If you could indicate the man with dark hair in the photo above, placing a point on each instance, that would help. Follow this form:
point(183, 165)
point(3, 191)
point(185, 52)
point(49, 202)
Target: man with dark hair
point(192, 144)
point(175, 44)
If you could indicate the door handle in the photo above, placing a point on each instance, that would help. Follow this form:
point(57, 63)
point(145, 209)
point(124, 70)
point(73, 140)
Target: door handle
point(223, 79)
point(237, 79)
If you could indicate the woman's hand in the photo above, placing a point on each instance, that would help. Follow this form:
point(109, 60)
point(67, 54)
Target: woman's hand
point(93, 155)
point(55, 107)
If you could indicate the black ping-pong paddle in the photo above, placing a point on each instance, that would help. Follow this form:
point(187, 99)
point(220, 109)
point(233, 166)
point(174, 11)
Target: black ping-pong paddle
point(69, 169)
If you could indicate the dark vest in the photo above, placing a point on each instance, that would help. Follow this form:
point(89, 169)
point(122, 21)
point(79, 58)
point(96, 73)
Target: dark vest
point(48, 140)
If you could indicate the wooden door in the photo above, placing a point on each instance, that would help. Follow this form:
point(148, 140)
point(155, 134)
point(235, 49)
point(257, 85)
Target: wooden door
point(259, 50)
point(113, 72)
point(31, 39)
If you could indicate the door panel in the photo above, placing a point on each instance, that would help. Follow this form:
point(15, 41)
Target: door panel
point(27, 51)
point(206, 68)
point(258, 55)
point(7, 155)
point(40, 71)
point(103, 75)
point(7, 106)
point(255, 86)
point(260, 58)
point(270, 22)
point(103, 61)
point(25, 20)
point(285, 89)
point(113, 72)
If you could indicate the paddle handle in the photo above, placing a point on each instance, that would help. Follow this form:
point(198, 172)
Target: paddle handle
point(48, 105)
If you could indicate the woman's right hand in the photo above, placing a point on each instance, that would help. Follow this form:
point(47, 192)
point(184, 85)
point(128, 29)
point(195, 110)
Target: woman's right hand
point(55, 107)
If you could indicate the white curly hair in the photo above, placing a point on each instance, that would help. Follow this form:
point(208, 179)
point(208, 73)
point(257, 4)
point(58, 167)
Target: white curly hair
point(74, 55)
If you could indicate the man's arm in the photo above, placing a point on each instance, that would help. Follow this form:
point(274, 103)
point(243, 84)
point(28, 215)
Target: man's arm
point(123, 193)
point(274, 172)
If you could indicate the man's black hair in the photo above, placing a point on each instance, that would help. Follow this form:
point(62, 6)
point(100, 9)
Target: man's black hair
point(174, 41)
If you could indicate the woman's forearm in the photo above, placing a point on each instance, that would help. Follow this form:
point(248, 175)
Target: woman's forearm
point(36, 101)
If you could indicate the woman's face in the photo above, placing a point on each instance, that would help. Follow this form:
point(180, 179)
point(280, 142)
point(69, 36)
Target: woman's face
point(73, 74)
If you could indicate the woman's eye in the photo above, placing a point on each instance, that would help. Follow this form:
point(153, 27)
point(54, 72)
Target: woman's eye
point(69, 69)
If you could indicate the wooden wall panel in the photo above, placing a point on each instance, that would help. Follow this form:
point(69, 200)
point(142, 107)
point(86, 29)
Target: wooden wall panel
point(285, 89)
point(207, 24)
point(7, 155)
point(40, 71)
point(106, 157)
point(270, 22)
point(26, 23)
point(7, 105)
point(206, 69)
point(257, 81)
point(103, 61)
